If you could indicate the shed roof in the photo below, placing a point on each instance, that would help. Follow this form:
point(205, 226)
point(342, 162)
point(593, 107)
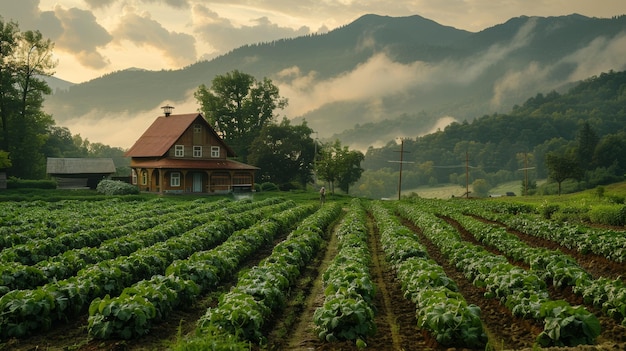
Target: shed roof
point(68, 166)
point(163, 133)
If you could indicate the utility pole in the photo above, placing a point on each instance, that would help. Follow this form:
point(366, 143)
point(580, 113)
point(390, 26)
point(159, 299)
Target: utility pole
point(315, 161)
point(466, 175)
point(401, 162)
point(525, 174)
point(525, 169)
point(467, 167)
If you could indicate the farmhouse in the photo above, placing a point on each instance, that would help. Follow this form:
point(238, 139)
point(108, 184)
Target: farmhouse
point(79, 172)
point(183, 154)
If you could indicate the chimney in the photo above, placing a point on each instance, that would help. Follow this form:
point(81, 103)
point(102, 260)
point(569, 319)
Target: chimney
point(167, 109)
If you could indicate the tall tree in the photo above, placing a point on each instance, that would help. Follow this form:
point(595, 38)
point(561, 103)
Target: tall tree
point(238, 107)
point(284, 153)
point(25, 126)
point(611, 151)
point(587, 141)
point(8, 38)
point(351, 170)
point(562, 167)
point(60, 143)
point(339, 164)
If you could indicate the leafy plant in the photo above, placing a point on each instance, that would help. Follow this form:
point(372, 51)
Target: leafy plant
point(567, 326)
point(440, 309)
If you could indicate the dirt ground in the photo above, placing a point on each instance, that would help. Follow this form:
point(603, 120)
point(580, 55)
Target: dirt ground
point(395, 316)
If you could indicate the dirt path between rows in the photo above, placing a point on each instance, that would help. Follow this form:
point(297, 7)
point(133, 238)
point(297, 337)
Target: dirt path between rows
point(73, 334)
point(505, 331)
point(395, 316)
point(613, 335)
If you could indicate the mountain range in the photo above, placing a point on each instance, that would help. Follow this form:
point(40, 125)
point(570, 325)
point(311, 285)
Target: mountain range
point(371, 81)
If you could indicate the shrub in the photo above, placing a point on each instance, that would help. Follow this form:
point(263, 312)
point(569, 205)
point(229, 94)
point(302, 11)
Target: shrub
point(116, 187)
point(547, 210)
point(17, 183)
point(290, 186)
point(616, 199)
point(267, 186)
point(608, 214)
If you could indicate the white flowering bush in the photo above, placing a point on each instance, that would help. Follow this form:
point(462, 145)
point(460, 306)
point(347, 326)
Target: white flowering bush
point(116, 187)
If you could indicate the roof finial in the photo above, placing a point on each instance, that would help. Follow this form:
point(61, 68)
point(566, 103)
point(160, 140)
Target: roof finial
point(167, 109)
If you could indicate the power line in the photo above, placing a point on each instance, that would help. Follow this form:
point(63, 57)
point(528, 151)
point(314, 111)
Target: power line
point(401, 162)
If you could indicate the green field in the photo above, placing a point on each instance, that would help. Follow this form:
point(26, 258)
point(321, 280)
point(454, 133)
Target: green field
point(116, 267)
point(447, 191)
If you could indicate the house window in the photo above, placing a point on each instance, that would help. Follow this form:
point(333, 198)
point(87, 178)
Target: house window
point(197, 151)
point(197, 128)
point(179, 150)
point(175, 179)
point(215, 151)
point(133, 174)
point(144, 178)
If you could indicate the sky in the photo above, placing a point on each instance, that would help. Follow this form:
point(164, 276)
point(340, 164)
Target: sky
point(96, 37)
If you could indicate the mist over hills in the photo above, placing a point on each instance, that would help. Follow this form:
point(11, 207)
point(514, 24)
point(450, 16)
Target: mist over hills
point(371, 81)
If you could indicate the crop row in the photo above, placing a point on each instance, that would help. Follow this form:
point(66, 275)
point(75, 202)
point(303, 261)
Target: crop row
point(604, 242)
point(133, 312)
point(263, 289)
point(521, 291)
point(40, 218)
point(440, 308)
point(19, 276)
point(607, 294)
point(39, 249)
point(348, 310)
point(24, 311)
point(608, 243)
point(22, 222)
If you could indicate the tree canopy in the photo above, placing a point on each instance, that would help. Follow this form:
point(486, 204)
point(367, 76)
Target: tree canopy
point(238, 107)
point(587, 122)
point(338, 164)
point(27, 134)
point(25, 57)
point(285, 154)
point(562, 167)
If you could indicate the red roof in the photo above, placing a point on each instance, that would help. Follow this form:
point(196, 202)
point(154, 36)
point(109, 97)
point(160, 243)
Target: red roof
point(210, 164)
point(163, 133)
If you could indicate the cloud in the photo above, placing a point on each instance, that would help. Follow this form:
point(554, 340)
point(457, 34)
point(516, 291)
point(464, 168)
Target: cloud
point(378, 77)
point(72, 30)
point(82, 35)
point(27, 14)
point(514, 84)
point(104, 127)
point(141, 30)
point(601, 55)
point(223, 35)
point(95, 4)
point(381, 77)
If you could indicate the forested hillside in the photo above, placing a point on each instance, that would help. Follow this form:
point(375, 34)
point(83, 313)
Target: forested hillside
point(587, 124)
point(398, 76)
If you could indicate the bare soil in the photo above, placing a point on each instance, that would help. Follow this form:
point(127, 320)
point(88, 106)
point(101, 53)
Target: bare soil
point(397, 329)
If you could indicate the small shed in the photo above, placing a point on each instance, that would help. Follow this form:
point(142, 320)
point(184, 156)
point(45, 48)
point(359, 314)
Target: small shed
point(79, 172)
